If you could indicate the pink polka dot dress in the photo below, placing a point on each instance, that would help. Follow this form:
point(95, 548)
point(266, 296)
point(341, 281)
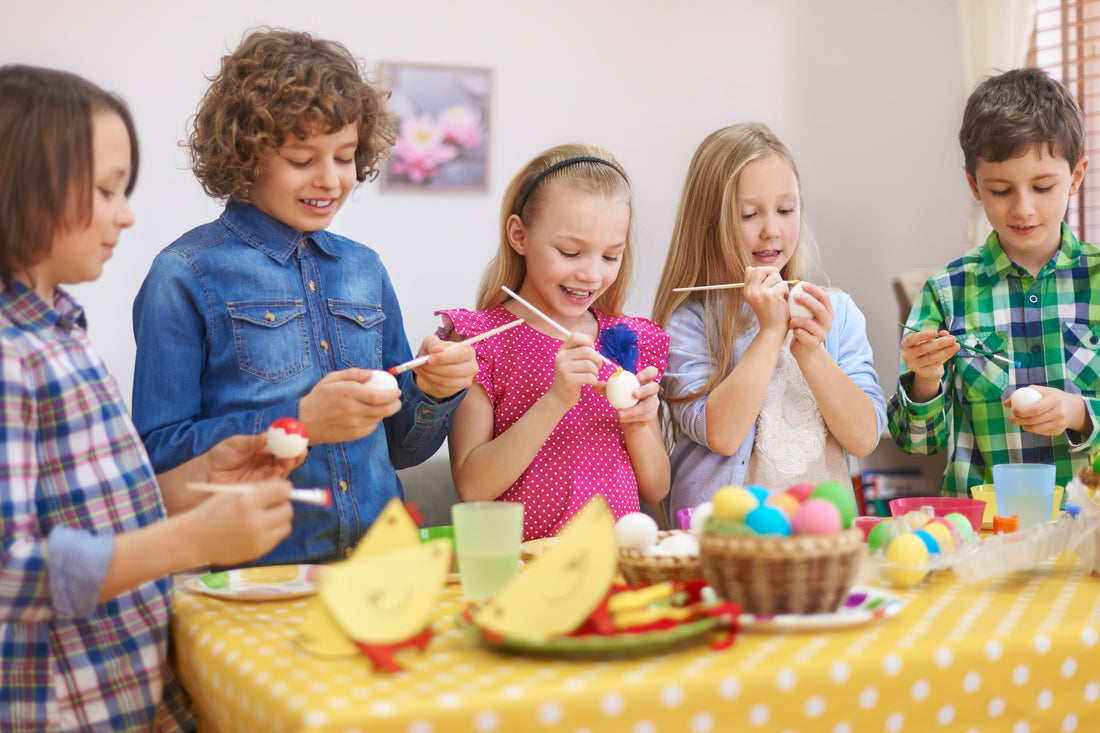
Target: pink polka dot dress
point(586, 453)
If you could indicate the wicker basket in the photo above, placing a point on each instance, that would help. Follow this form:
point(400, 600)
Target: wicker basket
point(639, 568)
point(773, 575)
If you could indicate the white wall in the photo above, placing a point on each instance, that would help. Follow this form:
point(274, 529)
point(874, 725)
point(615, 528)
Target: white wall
point(867, 93)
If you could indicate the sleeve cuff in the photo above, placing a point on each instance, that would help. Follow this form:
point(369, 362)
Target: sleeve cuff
point(77, 563)
point(919, 410)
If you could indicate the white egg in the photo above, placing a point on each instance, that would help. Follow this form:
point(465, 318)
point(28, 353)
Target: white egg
point(797, 309)
point(1025, 397)
point(700, 516)
point(285, 445)
point(678, 545)
point(620, 389)
point(381, 380)
point(636, 531)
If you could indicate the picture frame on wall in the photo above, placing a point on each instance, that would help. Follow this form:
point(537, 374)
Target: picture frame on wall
point(443, 115)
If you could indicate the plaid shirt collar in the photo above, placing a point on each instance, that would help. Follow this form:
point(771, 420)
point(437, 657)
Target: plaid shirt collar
point(28, 311)
point(995, 265)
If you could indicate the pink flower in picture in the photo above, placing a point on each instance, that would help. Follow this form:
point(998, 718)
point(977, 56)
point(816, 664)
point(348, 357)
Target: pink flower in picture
point(420, 149)
point(461, 124)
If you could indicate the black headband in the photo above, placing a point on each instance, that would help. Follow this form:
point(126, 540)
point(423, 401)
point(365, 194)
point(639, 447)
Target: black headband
point(562, 164)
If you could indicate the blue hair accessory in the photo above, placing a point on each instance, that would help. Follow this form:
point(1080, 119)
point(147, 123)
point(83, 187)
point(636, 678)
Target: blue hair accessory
point(620, 344)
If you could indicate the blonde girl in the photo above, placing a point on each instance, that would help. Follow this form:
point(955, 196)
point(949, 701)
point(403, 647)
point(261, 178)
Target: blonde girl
point(756, 395)
point(535, 427)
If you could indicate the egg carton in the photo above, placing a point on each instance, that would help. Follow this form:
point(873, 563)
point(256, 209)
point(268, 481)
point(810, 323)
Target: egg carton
point(1012, 552)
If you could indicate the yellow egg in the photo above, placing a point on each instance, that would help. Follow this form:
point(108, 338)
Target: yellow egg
point(908, 560)
point(942, 535)
point(733, 503)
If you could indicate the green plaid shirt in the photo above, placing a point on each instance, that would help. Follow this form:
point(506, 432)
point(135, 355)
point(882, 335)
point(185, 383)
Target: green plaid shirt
point(1049, 324)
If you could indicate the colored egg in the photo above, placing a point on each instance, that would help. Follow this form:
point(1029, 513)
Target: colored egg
point(882, 533)
point(952, 530)
point(941, 535)
point(816, 516)
point(733, 503)
point(768, 520)
point(759, 492)
point(839, 496)
point(928, 540)
point(966, 530)
point(785, 502)
point(908, 559)
point(801, 491)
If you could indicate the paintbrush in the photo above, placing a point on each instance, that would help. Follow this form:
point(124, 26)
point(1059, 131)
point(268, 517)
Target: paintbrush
point(973, 349)
point(726, 286)
point(317, 497)
point(565, 332)
point(413, 363)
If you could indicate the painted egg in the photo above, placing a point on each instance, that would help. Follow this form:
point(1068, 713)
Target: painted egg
point(942, 536)
point(929, 541)
point(733, 503)
point(700, 516)
point(620, 389)
point(908, 559)
point(381, 380)
point(801, 491)
point(962, 524)
point(759, 492)
point(785, 502)
point(768, 520)
point(882, 533)
point(839, 496)
point(636, 531)
point(287, 438)
point(1025, 397)
point(797, 309)
point(816, 516)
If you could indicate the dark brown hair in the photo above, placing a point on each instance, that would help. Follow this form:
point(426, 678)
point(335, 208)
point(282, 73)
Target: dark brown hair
point(276, 83)
point(1011, 111)
point(47, 159)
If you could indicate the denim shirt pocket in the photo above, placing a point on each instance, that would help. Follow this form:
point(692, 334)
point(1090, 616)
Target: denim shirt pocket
point(1079, 340)
point(358, 328)
point(271, 337)
point(984, 379)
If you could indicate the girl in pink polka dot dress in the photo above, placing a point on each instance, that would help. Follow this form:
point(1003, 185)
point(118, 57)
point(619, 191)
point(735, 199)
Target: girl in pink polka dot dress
point(536, 427)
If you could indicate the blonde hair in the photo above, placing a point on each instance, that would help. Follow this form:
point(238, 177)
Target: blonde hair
point(707, 247)
point(528, 189)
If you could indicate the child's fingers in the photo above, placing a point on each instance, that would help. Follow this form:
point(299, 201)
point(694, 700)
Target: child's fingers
point(647, 375)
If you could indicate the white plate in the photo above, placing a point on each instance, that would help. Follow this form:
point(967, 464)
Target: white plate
point(863, 605)
point(266, 583)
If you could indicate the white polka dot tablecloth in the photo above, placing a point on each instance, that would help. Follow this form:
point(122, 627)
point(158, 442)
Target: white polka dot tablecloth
point(1019, 654)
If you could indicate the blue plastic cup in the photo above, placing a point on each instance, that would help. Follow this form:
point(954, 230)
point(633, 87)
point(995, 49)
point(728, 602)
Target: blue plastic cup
point(1026, 490)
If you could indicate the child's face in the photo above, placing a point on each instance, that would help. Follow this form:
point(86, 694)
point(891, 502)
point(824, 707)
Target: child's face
point(767, 194)
point(1025, 198)
point(79, 251)
point(305, 182)
point(573, 249)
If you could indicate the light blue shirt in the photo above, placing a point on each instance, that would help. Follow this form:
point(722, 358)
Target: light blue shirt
point(697, 471)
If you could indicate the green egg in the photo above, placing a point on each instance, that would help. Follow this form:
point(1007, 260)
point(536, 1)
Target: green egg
point(839, 496)
point(962, 524)
point(881, 534)
point(1096, 463)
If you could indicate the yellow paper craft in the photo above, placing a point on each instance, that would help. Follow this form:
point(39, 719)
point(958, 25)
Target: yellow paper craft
point(391, 530)
point(386, 598)
point(557, 590)
point(320, 634)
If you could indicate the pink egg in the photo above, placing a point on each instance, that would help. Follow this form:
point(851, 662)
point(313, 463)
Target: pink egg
point(816, 516)
point(801, 491)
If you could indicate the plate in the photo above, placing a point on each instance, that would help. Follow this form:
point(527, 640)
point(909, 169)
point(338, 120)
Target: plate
point(268, 583)
point(863, 605)
point(595, 646)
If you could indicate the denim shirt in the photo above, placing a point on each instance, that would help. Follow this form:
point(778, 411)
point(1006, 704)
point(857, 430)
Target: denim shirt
point(239, 319)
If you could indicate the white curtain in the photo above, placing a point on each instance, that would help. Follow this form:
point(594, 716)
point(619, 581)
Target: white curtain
point(995, 35)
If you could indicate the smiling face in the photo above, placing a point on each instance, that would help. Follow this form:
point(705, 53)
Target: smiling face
point(573, 250)
point(79, 249)
point(1025, 198)
point(305, 182)
point(770, 211)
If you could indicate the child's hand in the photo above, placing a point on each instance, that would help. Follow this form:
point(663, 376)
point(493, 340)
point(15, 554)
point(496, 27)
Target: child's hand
point(243, 458)
point(645, 412)
point(809, 333)
point(1057, 412)
point(447, 372)
point(343, 407)
point(766, 294)
point(241, 527)
point(925, 352)
point(575, 365)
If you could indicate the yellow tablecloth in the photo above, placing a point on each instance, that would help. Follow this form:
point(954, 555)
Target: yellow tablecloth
point(1020, 653)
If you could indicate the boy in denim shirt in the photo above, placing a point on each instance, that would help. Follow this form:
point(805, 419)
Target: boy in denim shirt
point(1020, 310)
point(264, 314)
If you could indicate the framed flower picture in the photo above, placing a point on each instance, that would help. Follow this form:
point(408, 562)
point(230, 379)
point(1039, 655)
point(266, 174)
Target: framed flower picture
point(443, 128)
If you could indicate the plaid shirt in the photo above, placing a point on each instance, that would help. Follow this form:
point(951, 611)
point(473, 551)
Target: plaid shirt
point(1050, 324)
point(74, 474)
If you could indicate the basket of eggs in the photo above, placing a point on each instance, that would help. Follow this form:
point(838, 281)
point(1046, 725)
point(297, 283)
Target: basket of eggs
point(784, 552)
point(647, 555)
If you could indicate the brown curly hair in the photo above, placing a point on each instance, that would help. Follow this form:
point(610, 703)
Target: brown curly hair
point(276, 83)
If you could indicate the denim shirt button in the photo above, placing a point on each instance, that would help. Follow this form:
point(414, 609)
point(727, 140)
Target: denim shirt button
point(302, 244)
point(343, 486)
point(324, 345)
point(361, 319)
point(312, 286)
point(269, 317)
point(348, 551)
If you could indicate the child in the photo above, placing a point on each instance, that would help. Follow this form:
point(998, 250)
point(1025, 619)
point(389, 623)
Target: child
point(264, 314)
point(537, 429)
point(757, 396)
point(1026, 296)
point(86, 553)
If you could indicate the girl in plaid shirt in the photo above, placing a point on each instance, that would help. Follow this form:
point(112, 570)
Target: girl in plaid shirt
point(85, 551)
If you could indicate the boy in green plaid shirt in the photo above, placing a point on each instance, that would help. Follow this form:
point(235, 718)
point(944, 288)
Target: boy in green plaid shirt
point(1019, 310)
